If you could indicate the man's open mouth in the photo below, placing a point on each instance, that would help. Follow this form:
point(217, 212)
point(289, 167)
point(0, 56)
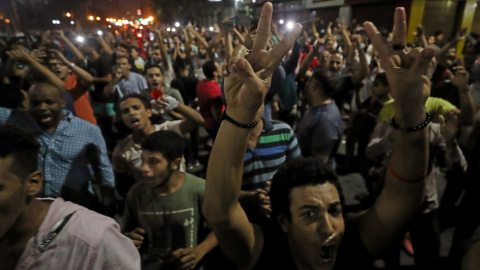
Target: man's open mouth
point(326, 253)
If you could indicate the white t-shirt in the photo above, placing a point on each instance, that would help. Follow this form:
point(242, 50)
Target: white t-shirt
point(127, 156)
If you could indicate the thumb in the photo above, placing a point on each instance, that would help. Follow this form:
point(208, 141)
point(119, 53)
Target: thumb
point(441, 121)
point(422, 61)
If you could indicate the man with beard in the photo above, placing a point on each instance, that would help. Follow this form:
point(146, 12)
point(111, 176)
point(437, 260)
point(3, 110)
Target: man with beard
point(68, 145)
point(305, 194)
point(135, 112)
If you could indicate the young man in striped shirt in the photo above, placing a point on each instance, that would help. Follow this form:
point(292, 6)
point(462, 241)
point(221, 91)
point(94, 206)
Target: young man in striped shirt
point(271, 143)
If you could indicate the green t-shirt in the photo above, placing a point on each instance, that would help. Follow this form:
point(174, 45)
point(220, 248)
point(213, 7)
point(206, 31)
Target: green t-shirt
point(433, 105)
point(170, 222)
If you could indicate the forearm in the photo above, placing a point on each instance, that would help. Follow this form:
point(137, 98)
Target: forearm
point(105, 79)
point(108, 50)
point(454, 156)
point(363, 71)
point(189, 114)
point(76, 52)
point(83, 75)
point(467, 108)
point(239, 36)
point(110, 88)
point(44, 74)
point(225, 169)
point(306, 63)
point(207, 244)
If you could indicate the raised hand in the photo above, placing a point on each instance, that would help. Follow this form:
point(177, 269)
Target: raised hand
point(58, 55)
point(460, 79)
point(249, 81)
point(449, 127)
point(405, 70)
point(19, 55)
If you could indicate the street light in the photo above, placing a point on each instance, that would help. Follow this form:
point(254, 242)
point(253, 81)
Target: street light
point(68, 14)
point(211, 28)
point(177, 24)
point(99, 33)
point(80, 39)
point(98, 18)
point(90, 18)
point(281, 21)
point(72, 22)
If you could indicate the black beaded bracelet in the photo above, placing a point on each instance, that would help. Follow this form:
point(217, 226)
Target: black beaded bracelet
point(224, 116)
point(412, 129)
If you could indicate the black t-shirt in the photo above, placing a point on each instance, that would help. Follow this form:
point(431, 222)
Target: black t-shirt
point(187, 87)
point(99, 68)
point(352, 253)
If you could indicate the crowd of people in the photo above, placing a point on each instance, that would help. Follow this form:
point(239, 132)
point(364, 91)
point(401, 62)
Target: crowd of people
point(101, 143)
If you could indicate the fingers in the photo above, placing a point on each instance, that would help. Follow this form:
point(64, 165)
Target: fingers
point(422, 62)
point(139, 230)
point(377, 40)
point(238, 52)
point(441, 120)
point(400, 26)
point(281, 49)
point(263, 30)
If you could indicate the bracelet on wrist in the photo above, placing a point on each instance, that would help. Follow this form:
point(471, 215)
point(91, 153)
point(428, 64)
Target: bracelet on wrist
point(412, 129)
point(224, 116)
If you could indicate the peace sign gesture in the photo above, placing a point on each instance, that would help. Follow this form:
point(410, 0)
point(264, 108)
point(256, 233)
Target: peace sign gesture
point(405, 70)
point(249, 72)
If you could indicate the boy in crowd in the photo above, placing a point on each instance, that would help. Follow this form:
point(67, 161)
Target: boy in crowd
point(135, 112)
point(165, 208)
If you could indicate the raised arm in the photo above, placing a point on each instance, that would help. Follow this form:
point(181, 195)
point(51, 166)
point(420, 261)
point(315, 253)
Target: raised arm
point(39, 71)
point(192, 119)
point(163, 50)
point(76, 52)
point(245, 89)
point(363, 69)
point(402, 195)
point(467, 107)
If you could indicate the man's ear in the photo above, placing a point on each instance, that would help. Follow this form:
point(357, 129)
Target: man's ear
point(33, 183)
point(176, 164)
point(149, 113)
point(283, 222)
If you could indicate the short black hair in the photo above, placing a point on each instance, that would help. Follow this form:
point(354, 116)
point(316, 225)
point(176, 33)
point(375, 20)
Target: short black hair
point(125, 46)
point(122, 57)
point(298, 173)
point(144, 100)
point(149, 66)
point(209, 68)
point(382, 77)
point(22, 146)
point(326, 85)
point(166, 142)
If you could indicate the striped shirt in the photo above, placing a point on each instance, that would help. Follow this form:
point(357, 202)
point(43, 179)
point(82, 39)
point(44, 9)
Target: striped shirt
point(277, 144)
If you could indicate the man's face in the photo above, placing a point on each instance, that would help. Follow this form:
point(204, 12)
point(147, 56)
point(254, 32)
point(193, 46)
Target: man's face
point(133, 113)
point(379, 89)
point(12, 196)
point(59, 69)
point(154, 78)
point(335, 62)
point(202, 51)
point(123, 65)
point(134, 54)
point(121, 51)
point(316, 227)
point(156, 169)
point(157, 56)
point(46, 105)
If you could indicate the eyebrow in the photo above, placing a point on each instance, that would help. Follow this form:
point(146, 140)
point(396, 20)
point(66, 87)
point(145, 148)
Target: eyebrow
point(314, 206)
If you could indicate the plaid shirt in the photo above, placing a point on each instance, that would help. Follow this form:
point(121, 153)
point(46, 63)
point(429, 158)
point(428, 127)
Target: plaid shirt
point(64, 155)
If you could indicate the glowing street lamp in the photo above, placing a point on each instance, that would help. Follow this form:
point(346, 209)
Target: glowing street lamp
point(68, 14)
point(98, 18)
point(90, 18)
point(177, 24)
point(281, 22)
point(290, 25)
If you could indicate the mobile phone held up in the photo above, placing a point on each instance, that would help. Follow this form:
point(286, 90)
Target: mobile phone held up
point(233, 21)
